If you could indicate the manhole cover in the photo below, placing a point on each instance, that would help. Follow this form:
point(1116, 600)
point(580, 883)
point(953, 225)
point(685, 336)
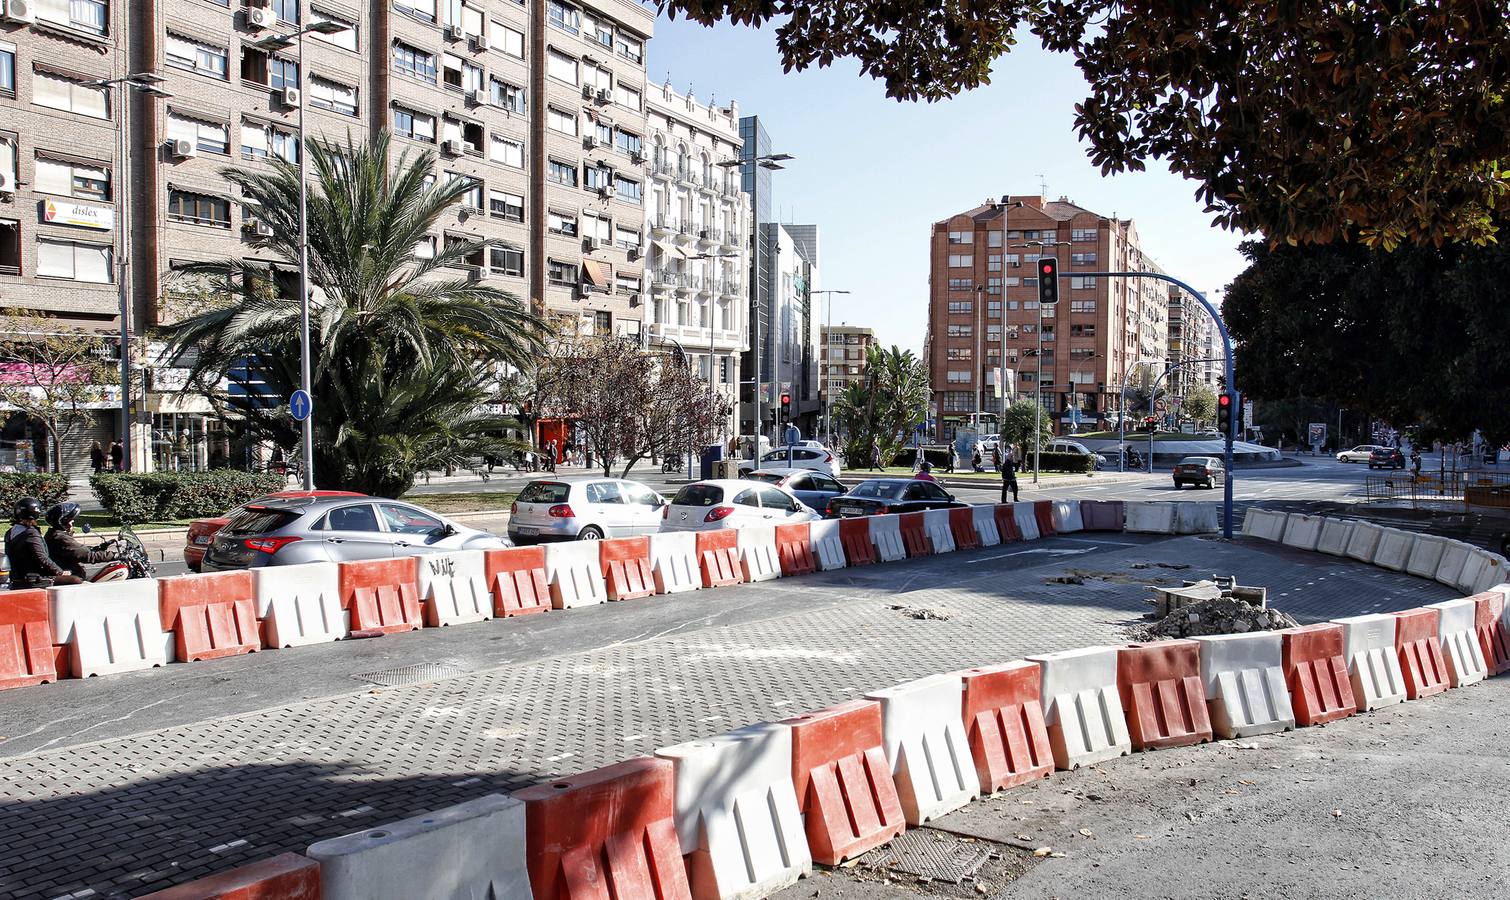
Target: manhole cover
point(931, 854)
point(410, 674)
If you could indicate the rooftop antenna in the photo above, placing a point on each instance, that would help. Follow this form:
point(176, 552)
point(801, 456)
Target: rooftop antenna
point(1043, 187)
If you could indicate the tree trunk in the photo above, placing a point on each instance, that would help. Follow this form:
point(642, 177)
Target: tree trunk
point(57, 444)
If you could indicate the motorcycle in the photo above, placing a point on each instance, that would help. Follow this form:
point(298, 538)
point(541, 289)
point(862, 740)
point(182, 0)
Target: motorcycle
point(131, 560)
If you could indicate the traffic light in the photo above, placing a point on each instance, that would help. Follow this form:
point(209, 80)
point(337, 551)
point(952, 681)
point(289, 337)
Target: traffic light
point(786, 405)
point(1224, 404)
point(1048, 280)
point(1150, 424)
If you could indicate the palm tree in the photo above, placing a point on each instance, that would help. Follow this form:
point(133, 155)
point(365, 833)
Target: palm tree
point(407, 350)
point(884, 410)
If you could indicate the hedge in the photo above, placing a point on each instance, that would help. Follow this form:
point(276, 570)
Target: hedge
point(908, 456)
point(165, 496)
point(1060, 462)
point(49, 487)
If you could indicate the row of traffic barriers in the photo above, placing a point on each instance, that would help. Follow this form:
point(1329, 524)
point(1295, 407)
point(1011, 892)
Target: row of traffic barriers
point(84, 630)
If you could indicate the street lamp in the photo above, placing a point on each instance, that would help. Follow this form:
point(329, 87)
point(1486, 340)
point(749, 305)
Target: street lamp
point(143, 83)
point(1038, 379)
point(828, 416)
point(283, 42)
point(770, 162)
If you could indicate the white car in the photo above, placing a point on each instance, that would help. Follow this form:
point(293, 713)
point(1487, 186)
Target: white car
point(1358, 454)
point(589, 509)
point(717, 504)
point(807, 455)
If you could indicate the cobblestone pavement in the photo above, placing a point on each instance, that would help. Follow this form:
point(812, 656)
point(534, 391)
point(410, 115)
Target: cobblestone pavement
point(144, 811)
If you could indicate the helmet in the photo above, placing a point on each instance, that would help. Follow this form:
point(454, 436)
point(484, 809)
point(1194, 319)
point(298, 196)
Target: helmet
point(27, 508)
point(926, 465)
point(62, 515)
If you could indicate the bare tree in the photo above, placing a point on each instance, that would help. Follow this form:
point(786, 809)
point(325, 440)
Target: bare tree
point(52, 372)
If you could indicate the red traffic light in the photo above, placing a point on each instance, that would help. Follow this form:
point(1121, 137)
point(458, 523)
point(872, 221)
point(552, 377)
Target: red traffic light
point(786, 398)
point(1225, 399)
point(1048, 268)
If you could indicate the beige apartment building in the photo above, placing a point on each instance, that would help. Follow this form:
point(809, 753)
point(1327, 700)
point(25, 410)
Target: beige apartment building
point(842, 357)
point(986, 328)
point(541, 107)
point(1192, 341)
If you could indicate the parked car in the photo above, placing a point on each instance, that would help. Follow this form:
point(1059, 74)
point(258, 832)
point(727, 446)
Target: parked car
point(1386, 458)
point(891, 495)
point(813, 488)
point(723, 503)
point(1358, 454)
point(203, 531)
point(1199, 471)
point(1063, 445)
point(803, 457)
point(589, 509)
point(335, 529)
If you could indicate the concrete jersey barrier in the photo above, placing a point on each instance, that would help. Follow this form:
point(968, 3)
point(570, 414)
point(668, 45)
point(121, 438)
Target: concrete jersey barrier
point(1196, 517)
point(1245, 684)
point(1368, 645)
point(1266, 524)
point(1082, 706)
point(1393, 550)
point(1150, 518)
point(1302, 532)
point(453, 588)
point(757, 553)
point(940, 532)
point(300, 605)
point(1364, 541)
point(673, 561)
point(1459, 641)
point(1335, 534)
point(984, 520)
point(1425, 556)
point(827, 544)
point(1067, 516)
point(111, 627)
point(1482, 570)
point(571, 570)
point(925, 741)
point(886, 535)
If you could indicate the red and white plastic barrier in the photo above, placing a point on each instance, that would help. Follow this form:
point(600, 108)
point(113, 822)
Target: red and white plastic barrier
point(926, 743)
point(1082, 706)
point(453, 588)
point(109, 628)
point(300, 605)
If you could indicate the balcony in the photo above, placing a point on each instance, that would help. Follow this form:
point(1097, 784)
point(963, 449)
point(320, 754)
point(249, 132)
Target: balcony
point(663, 227)
point(732, 287)
point(709, 236)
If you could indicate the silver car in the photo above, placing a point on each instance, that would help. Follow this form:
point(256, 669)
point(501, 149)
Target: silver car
point(589, 509)
point(336, 529)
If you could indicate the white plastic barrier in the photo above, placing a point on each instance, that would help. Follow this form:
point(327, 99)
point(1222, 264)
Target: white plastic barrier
point(1081, 705)
point(1482, 570)
point(301, 604)
point(1067, 516)
point(673, 560)
point(1196, 517)
point(886, 534)
point(1267, 524)
point(826, 544)
point(757, 553)
point(1149, 518)
point(925, 741)
point(1245, 684)
point(1460, 642)
point(1393, 550)
point(1027, 523)
point(1450, 566)
point(940, 533)
point(1302, 532)
point(453, 587)
point(473, 849)
point(1426, 555)
point(1363, 541)
point(1368, 645)
point(984, 520)
point(109, 628)
point(736, 812)
point(571, 569)
point(1335, 534)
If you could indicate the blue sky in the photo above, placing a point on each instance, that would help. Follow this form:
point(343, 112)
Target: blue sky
point(874, 174)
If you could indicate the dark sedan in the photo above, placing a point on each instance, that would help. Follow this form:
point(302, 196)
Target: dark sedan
point(891, 495)
point(1386, 458)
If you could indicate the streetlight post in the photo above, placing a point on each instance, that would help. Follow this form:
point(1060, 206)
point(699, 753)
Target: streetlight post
point(1122, 413)
point(828, 327)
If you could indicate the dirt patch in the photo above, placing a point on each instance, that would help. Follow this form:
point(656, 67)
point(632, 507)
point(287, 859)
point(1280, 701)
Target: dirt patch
point(924, 613)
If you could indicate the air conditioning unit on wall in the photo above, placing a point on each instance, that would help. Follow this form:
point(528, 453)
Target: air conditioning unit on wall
point(292, 98)
point(259, 18)
point(19, 11)
point(182, 149)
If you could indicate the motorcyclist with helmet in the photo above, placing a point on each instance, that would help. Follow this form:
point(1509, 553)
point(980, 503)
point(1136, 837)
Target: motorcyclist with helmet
point(65, 549)
point(30, 564)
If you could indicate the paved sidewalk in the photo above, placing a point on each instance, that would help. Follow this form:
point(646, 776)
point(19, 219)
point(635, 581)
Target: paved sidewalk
point(201, 794)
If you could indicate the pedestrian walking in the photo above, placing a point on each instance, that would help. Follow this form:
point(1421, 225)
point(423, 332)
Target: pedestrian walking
point(976, 462)
point(1008, 469)
point(550, 455)
point(875, 455)
point(97, 458)
point(117, 457)
point(1415, 462)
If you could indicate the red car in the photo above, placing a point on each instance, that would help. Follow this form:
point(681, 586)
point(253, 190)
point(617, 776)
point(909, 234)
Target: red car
point(202, 531)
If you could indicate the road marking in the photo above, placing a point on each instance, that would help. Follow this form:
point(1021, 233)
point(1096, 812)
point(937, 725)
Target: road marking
point(1049, 550)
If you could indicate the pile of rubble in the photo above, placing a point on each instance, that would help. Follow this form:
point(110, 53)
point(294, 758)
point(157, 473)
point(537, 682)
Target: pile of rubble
point(1216, 606)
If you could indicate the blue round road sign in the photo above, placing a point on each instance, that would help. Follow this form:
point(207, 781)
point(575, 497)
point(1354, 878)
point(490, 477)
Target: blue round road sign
point(301, 405)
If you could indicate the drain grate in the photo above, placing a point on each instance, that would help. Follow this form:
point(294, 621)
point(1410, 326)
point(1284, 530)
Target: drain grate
point(410, 674)
point(931, 854)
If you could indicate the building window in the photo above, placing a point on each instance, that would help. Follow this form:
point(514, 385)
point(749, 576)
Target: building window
point(1082, 282)
point(993, 285)
point(561, 172)
point(507, 41)
point(287, 10)
point(1013, 281)
point(961, 237)
point(8, 161)
point(506, 261)
point(207, 137)
point(1014, 260)
point(561, 121)
point(325, 94)
point(196, 56)
point(959, 353)
point(959, 401)
point(80, 15)
point(1030, 282)
point(961, 260)
point(627, 238)
point(561, 223)
point(57, 92)
point(10, 247)
point(507, 151)
point(561, 274)
point(260, 141)
point(471, 198)
point(425, 249)
point(957, 376)
point(602, 323)
point(474, 259)
point(7, 70)
point(598, 30)
point(625, 95)
point(1083, 259)
point(993, 262)
point(960, 331)
point(413, 125)
point(260, 67)
point(69, 179)
point(561, 67)
point(346, 40)
point(961, 284)
point(628, 143)
point(628, 189)
point(631, 49)
point(508, 96)
point(1082, 306)
point(626, 284)
point(1083, 234)
point(420, 9)
point(1082, 331)
point(199, 209)
point(596, 177)
point(506, 206)
point(413, 62)
point(958, 307)
point(993, 239)
point(74, 261)
point(993, 309)
point(993, 334)
point(567, 18)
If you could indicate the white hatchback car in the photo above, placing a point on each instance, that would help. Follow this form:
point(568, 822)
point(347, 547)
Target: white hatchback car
point(808, 455)
point(589, 509)
point(1358, 454)
point(713, 505)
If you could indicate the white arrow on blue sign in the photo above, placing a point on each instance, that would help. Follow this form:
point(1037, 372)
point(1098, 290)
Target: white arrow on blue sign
point(301, 405)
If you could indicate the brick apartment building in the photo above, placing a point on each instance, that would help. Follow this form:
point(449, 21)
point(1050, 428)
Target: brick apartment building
point(983, 314)
point(1192, 343)
point(843, 357)
point(541, 106)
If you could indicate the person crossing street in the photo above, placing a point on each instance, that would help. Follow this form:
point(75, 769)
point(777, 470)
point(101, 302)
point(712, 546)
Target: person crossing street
point(1008, 469)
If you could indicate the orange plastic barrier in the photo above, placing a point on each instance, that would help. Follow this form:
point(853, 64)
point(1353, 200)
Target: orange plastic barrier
point(1003, 712)
point(210, 615)
point(1316, 673)
point(26, 651)
point(285, 877)
point(1006, 523)
point(718, 557)
point(844, 786)
point(914, 534)
point(1163, 695)
point(516, 577)
point(1101, 515)
point(794, 546)
point(606, 833)
point(625, 563)
point(1494, 635)
point(962, 526)
point(382, 594)
point(859, 549)
point(1043, 514)
point(1420, 653)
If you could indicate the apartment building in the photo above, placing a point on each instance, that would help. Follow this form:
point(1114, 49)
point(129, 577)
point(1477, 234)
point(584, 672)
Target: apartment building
point(989, 342)
point(698, 219)
point(790, 357)
point(842, 359)
point(1191, 339)
point(539, 107)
